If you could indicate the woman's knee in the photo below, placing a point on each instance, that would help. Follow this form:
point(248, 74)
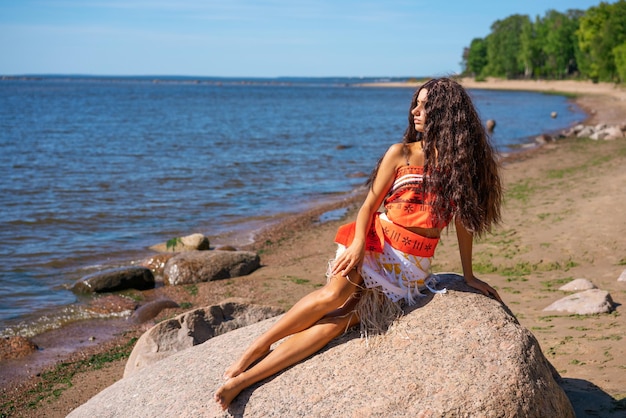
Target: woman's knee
point(333, 296)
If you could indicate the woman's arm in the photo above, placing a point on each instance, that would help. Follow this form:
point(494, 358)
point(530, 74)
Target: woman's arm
point(353, 255)
point(466, 241)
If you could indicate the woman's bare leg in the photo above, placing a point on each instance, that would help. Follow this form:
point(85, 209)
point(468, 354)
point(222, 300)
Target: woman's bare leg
point(296, 348)
point(306, 312)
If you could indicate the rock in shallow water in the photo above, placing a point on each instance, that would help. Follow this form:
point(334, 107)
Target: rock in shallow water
point(113, 280)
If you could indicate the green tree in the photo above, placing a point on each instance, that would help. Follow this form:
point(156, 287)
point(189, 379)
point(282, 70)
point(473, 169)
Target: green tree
point(476, 57)
point(503, 46)
point(620, 61)
point(558, 39)
point(530, 49)
point(602, 29)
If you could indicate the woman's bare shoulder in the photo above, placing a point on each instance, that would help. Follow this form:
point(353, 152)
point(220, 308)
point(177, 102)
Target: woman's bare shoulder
point(395, 151)
point(394, 157)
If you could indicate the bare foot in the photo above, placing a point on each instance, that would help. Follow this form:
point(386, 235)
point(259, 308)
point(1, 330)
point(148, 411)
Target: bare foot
point(251, 355)
point(225, 394)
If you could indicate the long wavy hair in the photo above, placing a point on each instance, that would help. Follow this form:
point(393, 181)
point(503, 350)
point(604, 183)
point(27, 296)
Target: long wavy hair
point(460, 164)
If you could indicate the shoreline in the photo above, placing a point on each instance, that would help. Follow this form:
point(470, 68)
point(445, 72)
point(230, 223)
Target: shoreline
point(603, 103)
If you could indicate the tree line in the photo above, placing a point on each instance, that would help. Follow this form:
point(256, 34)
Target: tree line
point(578, 44)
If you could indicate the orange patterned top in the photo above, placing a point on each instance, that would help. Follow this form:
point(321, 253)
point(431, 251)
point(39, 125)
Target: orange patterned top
point(405, 207)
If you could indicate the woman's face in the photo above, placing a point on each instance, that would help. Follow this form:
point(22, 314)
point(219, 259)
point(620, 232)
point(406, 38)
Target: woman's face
point(418, 112)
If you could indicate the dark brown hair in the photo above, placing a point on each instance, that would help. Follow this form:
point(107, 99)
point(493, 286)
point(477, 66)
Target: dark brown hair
point(460, 164)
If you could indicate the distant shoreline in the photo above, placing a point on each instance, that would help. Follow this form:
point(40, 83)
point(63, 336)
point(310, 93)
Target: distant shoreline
point(603, 102)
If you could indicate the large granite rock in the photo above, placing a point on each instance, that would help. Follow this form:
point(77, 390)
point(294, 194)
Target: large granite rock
point(204, 266)
point(456, 354)
point(193, 328)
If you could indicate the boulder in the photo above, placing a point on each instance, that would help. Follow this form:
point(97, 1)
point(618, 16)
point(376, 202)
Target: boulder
point(622, 277)
point(608, 133)
point(193, 328)
point(586, 132)
point(205, 266)
point(577, 285)
point(589, 302)
point(134, 277)
point(193, 242)
point(596, 132)
point(454, 354)
point(600, 127)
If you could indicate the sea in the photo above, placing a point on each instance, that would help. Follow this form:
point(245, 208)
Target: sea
point(98, 169)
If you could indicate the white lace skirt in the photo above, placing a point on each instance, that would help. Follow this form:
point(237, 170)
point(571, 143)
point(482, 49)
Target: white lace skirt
point(391, 278)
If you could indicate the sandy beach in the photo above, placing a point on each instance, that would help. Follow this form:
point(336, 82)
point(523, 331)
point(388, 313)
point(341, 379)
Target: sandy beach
point(562, 220)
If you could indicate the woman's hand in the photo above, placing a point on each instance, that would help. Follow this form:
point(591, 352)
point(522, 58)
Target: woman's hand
point(348, 260)
point(484, 288)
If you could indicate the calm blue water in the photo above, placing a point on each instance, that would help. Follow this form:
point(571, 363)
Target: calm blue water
point(97, 170)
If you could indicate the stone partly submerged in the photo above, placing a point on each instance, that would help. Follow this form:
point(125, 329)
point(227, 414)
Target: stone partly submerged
point(114, 280)
point(455, 354)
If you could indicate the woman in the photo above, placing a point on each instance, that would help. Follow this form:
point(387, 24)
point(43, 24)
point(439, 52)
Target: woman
point(444, 170)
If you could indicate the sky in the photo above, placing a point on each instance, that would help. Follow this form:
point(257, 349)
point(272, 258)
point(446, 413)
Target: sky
point(251, 38)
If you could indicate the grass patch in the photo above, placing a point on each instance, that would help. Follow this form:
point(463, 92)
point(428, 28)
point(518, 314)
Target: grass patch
point(520, 191)
point(587, 165)
point(192, 289)
point(54, 382)
point(516, 278)
point(580, 328)
point(186, 305)
point(548, 318)
point(518, 271)
point(612, 337)
point(484, 268)
point(548, 328)
point(552, 284)
point(298, 280)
